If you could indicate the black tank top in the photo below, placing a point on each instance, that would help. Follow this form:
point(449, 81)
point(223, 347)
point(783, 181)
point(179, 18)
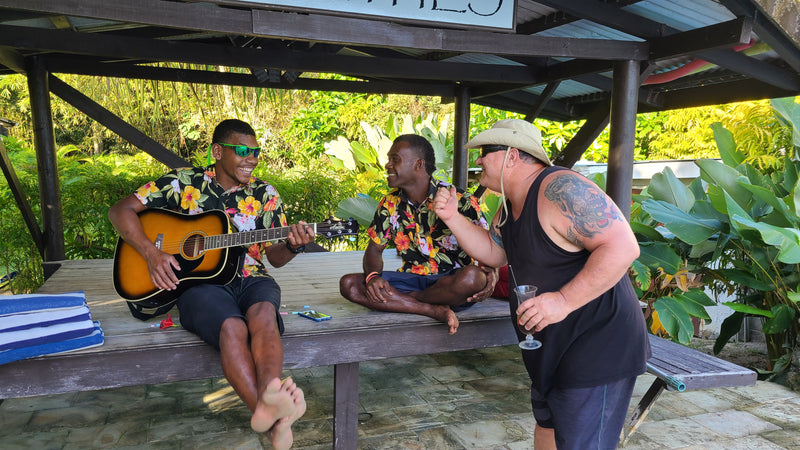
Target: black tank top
point(603, 341)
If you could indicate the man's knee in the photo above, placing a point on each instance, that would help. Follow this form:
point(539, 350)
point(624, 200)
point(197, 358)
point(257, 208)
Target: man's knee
point(233, 329)
point(349, 285)
point(471, 278)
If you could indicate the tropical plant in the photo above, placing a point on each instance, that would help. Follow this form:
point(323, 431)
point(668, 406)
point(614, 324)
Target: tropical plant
point(737, 231)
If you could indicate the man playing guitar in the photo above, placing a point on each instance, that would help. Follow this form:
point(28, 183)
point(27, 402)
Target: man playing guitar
point(240, 318)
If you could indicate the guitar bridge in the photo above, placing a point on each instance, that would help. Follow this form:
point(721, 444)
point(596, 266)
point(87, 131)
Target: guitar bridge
point(159, 242)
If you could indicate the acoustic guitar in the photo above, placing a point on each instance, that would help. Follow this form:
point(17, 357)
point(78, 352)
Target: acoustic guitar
point(204, 244)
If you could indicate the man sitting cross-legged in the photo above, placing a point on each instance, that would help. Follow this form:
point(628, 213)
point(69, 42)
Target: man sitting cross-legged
point(437, 276)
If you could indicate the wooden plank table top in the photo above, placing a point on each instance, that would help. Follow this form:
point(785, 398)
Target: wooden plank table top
point(137, 352)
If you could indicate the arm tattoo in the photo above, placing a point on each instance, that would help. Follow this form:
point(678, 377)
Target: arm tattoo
point(584, 204)
point(494, 233)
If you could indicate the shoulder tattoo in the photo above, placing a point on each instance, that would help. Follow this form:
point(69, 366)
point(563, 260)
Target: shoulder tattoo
point(494, 233)
point(584, 204)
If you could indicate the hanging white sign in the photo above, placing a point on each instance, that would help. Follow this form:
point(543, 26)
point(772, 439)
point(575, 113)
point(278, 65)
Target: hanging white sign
point(481, 13)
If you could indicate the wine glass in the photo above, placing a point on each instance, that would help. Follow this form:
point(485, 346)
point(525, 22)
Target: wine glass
point(524, 292)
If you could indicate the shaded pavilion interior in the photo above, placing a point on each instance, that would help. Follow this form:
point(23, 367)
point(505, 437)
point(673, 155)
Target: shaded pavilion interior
point(598, 60)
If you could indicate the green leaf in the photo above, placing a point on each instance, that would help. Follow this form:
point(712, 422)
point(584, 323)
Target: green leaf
point(694, 302)
point(783, 318)
point(745, 279)
point(360, 208)
point(777, 203)
point(788, 108)
point(747, 309)
point(675, 319)
point(717, 174)
point(688, 228)
point(647, 231)
point(657, 255)
point(729, 328)
point(793, 296)
point(665, 186)
point(727, 146)
point(787, 239)
point(340, 149)
point(642, 275)
point(732, 209)
point(362, 154)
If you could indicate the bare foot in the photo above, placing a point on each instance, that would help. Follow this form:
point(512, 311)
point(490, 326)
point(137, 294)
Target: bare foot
point(399, 302)
point(281, 433)
point(275, 403)
point(451, 320)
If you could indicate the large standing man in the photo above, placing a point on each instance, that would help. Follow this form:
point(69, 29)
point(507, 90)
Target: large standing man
point(241, 318)
point(437, 275)
point(562, 233)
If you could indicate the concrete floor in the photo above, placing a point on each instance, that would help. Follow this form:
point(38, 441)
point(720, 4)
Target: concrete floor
point(474, 399)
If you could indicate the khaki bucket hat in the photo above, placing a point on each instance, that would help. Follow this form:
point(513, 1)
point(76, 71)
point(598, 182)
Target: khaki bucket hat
point(515, 133)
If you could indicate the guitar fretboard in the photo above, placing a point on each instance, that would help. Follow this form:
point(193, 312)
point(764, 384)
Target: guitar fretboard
point(248, 237)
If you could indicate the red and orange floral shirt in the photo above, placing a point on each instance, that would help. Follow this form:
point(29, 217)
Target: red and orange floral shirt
point(423, 241)
point(192, 190)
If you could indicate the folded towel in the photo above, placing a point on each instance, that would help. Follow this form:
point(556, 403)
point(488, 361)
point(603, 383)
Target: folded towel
point(11, 304)
point(42, 324)
point(43, 318)
point(44, 335)
point(94, 339)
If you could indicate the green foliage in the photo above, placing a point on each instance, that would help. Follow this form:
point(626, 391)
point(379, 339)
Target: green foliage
point(739, 233)
point(761, 134)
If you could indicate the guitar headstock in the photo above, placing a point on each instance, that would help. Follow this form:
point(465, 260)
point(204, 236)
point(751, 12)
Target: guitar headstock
point(331, 228)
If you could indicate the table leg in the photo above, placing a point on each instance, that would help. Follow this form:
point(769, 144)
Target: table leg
point(345, 406)
point(647, 402)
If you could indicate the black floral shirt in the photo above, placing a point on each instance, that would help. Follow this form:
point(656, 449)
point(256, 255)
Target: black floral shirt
point(423, 241)
point(192, 190)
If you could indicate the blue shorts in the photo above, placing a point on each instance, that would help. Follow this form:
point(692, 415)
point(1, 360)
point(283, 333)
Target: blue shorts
point(406, 282)
point(585, 418)
point(205, 307)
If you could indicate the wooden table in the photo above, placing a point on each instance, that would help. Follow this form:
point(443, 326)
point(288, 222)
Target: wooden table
point(137, 352)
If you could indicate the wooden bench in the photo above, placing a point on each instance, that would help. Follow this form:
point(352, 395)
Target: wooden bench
point(681, 368)
point(137, 352)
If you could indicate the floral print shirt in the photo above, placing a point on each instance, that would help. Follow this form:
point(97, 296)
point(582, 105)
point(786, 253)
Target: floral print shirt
point(192, 190)
point(423, 241)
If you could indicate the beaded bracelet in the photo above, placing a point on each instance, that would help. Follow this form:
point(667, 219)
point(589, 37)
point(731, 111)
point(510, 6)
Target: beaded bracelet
point(370, 276)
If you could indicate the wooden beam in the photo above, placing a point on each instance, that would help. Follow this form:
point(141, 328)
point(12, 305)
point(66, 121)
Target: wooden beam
point(622, 135)
point(544, 97)
point(460, 137)
point(594, 125)
point(731, 92)
point(408, 87)
point(22, 201)
point(115, 124)
point(46, 160)
point(753, 68)
point(713, 37)
point(124, 47)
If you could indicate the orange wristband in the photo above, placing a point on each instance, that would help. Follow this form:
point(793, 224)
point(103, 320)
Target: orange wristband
point(370, 276)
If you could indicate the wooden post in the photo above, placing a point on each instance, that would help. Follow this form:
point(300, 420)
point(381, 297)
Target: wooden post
point(624, 98)
point(460, 137)
point(345, 406)
point(47, 164)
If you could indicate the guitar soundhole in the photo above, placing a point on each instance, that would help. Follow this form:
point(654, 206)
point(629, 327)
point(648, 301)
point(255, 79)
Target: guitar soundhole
point(193, 246)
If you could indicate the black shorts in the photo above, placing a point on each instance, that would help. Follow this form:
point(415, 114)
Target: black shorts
point(585, 418)
point(205, 307)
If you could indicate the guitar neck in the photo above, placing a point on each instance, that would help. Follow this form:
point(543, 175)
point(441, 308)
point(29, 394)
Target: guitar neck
point(248, 237)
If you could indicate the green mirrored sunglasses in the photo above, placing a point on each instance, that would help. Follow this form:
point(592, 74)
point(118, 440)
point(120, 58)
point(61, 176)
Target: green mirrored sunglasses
point(243, 150)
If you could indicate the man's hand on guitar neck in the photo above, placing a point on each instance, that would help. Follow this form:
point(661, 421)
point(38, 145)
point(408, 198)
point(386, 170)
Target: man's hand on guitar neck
point(299, 235)
point(162, 267)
